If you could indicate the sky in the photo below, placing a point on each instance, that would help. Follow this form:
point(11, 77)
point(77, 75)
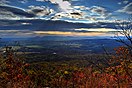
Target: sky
point(75, 11)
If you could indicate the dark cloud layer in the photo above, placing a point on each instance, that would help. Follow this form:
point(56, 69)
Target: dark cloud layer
point(14, 12)
point(48, 25)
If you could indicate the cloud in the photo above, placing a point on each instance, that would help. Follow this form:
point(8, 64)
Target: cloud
point(93, 13)
point(23, 1)
point(70, 33)
point(100, 12)
point(119, 3)
point(125, 1)
point(40, 10)
point(46, 25)
point(67, 10)
point(63, 4)
point(81, 7)
point(8, 12)
point(62, 10)
point(72, 14)
point(42, 0)
point(126, 9)
point(4, 2)
point(28, 33)
point(96, 29)
point(5, 14)
point(30, 28)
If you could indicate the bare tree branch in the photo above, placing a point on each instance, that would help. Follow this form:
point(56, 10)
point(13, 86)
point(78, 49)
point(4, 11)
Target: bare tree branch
point(124, 32)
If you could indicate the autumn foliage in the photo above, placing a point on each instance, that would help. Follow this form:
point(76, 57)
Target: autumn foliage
point(15, 73)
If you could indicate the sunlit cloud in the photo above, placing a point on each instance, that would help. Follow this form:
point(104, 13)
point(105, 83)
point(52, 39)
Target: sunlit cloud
point(28, 33)
point(71, 33)
point(64, 5)
point(96, 30)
